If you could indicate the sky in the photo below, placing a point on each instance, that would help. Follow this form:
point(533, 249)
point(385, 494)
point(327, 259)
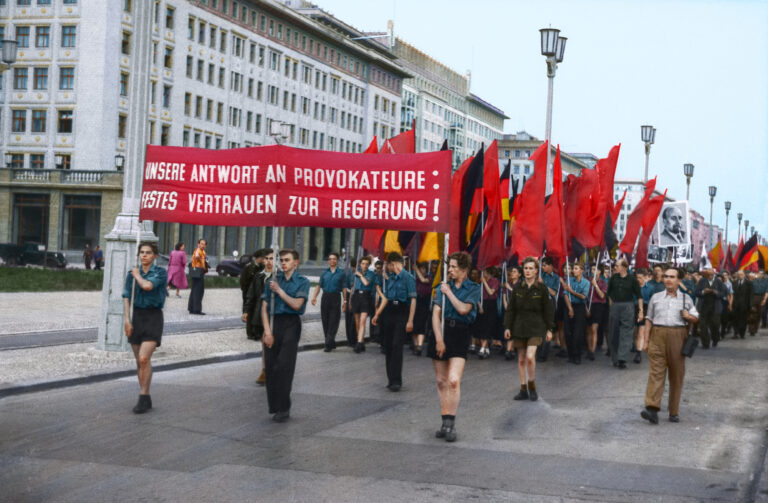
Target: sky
point(696, 70)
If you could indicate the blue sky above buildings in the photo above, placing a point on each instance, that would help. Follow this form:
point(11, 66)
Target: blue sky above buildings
point(696, 70)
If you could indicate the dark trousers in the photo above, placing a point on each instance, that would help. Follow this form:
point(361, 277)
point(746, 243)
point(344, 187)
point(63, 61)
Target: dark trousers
point(725, 321)
point(196, 292)
point(621, 325)
point(709, 327)
point(754, 314)
point(280, 361)
point(575, 328)
point(330, 315)
point(739, 321)
point(394, 319)
point(350, 329)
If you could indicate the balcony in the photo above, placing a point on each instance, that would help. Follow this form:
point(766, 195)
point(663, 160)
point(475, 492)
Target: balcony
point(60, 177)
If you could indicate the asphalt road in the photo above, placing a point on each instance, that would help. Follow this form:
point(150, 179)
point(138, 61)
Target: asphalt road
point(209, 437)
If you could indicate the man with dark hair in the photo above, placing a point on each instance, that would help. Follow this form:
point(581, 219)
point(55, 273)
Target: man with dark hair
point(332, 283)
point(711, 293)
point(398, 307)
point(623, 289)
point(252, 303)
point(252, 269)
point(198, 269)
point(144, 326)
point(288, 293)
point(552, 282)
point(669, 312)
point(673, 225)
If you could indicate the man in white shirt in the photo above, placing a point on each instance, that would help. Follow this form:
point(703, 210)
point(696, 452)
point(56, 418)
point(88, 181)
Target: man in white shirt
point(669, 313)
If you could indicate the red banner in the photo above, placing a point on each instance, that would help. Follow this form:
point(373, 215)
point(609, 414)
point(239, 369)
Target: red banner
point(289, 187)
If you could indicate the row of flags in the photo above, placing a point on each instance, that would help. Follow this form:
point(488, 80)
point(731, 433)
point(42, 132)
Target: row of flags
point(495, 219)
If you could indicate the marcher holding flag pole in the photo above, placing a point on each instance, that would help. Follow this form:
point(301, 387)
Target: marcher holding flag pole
point(454, 310)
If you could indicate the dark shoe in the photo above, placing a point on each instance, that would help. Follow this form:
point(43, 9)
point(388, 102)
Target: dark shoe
point(394, 387)
point(714, 344)
point(362, 347)
point(327, 349)
point(143, 405)
point(509, 355)
point(650, 415)
point(562, 354)
point(608, 352)
point(622, 365)
point(262, 379)
point(417, 351)
point(383, 350)
point(590, 356)
point(356, 349)
point(540, 359)
point(533, 395)
point(523, 395)
point(638, 357)
point(673, 418)
point(281, 417)
point(450, 434)
point(443, 430)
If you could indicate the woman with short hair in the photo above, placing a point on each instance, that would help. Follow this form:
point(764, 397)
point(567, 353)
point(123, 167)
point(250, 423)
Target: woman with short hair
point(528, 320)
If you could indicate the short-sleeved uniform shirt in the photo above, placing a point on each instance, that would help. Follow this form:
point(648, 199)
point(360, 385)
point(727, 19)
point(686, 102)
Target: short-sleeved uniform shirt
point(400, 287)
point(297, 287)
point(154, 298)
point(332, 281)
point(468, 293)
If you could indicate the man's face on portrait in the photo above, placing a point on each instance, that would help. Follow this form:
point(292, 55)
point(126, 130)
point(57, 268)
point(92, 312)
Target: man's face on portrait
point(673, 220)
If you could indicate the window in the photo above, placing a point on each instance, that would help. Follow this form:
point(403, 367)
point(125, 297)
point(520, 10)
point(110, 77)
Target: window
point(152, 90)
point(42, 36)
point(209, 110)
point(20, 78)
point(261, 56)
point(259, 89)
point(22, 36)
point(66, 161)
point(168, 59)
point(252, 53)
point(187, 103)
point(154, 53)
point(257, 124)
point(125, 45)
point(123, 84)
point(185, 138)
point(38, 120)
point(220, 112)
point(190, 63)
point(198, 106)
point(66, 78)
point(250, 88)
point(169, 17)
point(127, 5)
point(212, 37)
point(165, 134)
point(274, 61)
point(65, 121)
point(223, 41)
point(191, 28)
point(166, 96)
point(17, 162)
point(68, 36)
point(201, 33)
point(211, 73)
point(37, 161)
point(19, 121)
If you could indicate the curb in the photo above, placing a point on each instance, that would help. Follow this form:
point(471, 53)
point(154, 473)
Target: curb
point(118, 374)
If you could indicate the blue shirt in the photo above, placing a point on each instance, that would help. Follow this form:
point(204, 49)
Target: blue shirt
point(332, 282)
point(296, 287)
point(400, 287)
point(468, 292)
point(368, 277)
point(152, 298)
point(552, 281)
point(581, 287)
point(760, 286)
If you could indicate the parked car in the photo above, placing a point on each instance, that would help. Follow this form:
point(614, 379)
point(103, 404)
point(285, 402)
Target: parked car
point(232, 267)
point(31, 254)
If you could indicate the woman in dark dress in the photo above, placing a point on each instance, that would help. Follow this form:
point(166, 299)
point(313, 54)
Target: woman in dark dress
point(423, 303)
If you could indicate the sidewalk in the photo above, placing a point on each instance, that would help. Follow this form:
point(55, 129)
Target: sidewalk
point(31, 369)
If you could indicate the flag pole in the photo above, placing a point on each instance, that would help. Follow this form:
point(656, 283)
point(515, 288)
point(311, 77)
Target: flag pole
point(133, 289)
point(275, 263)
point(445, 278)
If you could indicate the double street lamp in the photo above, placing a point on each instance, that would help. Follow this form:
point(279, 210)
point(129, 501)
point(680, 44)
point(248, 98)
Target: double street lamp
point(712, 193)
point(727, 210)
point(553, 48)
point(648, 135)
point(688, 171)
point(746, 226)
point(738, 228)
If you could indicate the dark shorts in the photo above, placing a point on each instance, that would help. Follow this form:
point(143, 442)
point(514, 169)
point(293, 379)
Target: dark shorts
point(361, 302)
point(456, 338)
point(147, 326)
point(598, 313)
point(525, 343)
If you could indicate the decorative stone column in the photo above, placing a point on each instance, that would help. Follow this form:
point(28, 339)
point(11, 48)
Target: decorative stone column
point(120, 251)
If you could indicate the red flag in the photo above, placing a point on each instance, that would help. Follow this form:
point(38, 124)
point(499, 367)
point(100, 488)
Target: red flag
point(739, 254)
point(491, 251)
point(457, 182)
point(635, 220)
point(746, 257)
point(594, 230)
point(404, 143)
point(528, 237)
point(554, 214)
point(373, 147)
point(728, 262)
point(652, 210)
point(581, 208)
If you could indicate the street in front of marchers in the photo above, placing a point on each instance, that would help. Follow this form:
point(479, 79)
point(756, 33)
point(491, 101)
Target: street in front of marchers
point(209, 437)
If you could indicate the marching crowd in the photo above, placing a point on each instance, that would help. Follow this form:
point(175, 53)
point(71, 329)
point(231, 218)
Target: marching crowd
point(527, 313)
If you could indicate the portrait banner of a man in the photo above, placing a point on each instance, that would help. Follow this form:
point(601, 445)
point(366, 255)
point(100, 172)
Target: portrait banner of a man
point(673, 228)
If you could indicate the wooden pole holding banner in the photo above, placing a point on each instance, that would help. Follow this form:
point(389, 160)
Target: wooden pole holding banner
point(275, 263)
point(138, 264)
point(445, 280)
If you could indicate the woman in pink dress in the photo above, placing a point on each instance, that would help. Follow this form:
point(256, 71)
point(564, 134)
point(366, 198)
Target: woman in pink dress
point(177, 264)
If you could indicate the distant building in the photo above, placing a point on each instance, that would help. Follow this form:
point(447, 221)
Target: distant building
point(517, 149)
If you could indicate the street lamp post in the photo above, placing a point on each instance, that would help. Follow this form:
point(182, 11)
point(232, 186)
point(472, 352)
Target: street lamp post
point(688, 171)
point(727, 210)
point(738, 227)
point(553, 48)
point(746, 226)
point(712, 193)
point(648, 135)
point(752, 230)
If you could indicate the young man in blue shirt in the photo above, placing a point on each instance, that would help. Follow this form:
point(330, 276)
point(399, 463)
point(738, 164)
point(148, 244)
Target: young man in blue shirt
point(398, 308)
point(575, 323)
point(281, 337)
point(145, 328)
point(332, 283)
